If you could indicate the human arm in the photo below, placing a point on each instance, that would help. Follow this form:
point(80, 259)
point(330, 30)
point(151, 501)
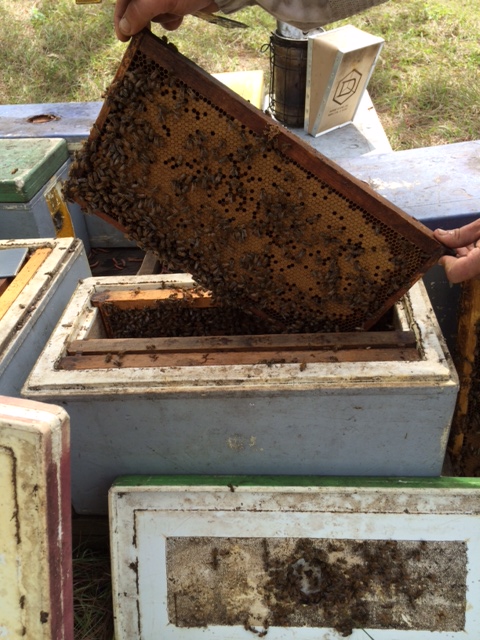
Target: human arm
point(466, 265)
point(303, 14)
point(131, 16)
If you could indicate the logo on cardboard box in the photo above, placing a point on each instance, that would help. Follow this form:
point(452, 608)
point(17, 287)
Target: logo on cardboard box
point(347, 87)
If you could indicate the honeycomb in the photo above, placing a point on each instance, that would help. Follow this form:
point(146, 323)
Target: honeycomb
point(217, 189)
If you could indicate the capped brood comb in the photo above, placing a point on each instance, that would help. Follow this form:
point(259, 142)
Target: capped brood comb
point(216, 188)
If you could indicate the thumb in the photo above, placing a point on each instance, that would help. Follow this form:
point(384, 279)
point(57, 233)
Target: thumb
point(460, 237)
point(137, 15)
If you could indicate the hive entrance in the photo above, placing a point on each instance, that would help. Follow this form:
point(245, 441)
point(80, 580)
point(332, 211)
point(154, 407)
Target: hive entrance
point(174, 327)
point(215, 188)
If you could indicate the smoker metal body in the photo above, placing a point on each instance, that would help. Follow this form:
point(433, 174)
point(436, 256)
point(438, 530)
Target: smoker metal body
point(349, 418)
point(288, 69)
point(32, 315)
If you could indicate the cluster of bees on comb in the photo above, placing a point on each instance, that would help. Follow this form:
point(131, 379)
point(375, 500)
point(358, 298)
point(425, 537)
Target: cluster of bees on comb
point(358, 583)
point(211, 196)
point(177, 318)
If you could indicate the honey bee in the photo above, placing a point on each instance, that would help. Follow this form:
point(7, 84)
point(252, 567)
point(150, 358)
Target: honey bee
point(214, 561)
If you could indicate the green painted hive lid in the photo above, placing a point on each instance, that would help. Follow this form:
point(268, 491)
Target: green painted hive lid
point(26, 164)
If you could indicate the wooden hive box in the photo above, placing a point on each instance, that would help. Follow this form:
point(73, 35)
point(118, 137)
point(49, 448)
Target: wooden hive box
point(32, 171)
point(36, 598)
point(33, 301)
point(160, 401)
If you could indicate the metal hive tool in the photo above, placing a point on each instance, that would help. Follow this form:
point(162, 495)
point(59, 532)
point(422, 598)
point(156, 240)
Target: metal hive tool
point(216, 188)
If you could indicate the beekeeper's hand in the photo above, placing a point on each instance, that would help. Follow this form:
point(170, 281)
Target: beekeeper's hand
point(131, 16)
point(466, 241)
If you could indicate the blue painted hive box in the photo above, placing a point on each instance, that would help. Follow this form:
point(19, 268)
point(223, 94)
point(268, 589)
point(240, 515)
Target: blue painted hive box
point(31, 204)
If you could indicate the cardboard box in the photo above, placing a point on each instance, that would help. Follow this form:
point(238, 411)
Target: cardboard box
point(339, 65)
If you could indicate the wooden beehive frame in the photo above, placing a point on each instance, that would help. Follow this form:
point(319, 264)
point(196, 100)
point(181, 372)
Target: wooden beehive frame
point(11, 288)
point(217, 189)
point(111, 353)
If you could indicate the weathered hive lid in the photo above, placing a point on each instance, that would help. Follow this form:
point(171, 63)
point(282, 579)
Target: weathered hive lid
point(26, 164)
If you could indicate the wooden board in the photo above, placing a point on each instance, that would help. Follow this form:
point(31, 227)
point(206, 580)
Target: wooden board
point(24, 276)
point(217, 189)
point(4, 282)
point(141, 298)
point(295, 557)
point(35, 510)
point(464, 443)
point(302, 342)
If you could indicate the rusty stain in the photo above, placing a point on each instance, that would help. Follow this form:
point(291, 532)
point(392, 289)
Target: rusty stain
point(215, 558)
point(139, 619)
point(16, 510)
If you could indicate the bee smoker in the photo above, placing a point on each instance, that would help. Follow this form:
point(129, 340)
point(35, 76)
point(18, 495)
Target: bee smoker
point(288, 74)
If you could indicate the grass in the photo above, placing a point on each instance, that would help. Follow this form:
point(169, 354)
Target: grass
point(425, 87)
point(58, 51)
point(92, 598)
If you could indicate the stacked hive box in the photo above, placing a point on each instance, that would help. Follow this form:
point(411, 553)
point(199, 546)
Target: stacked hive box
point(32, 302)
point(32, 171)
point(302, 557)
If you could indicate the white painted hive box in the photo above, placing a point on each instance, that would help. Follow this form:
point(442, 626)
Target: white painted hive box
point(35, 514)
point(33, 301)
point(366, 417)
point(304, 558)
